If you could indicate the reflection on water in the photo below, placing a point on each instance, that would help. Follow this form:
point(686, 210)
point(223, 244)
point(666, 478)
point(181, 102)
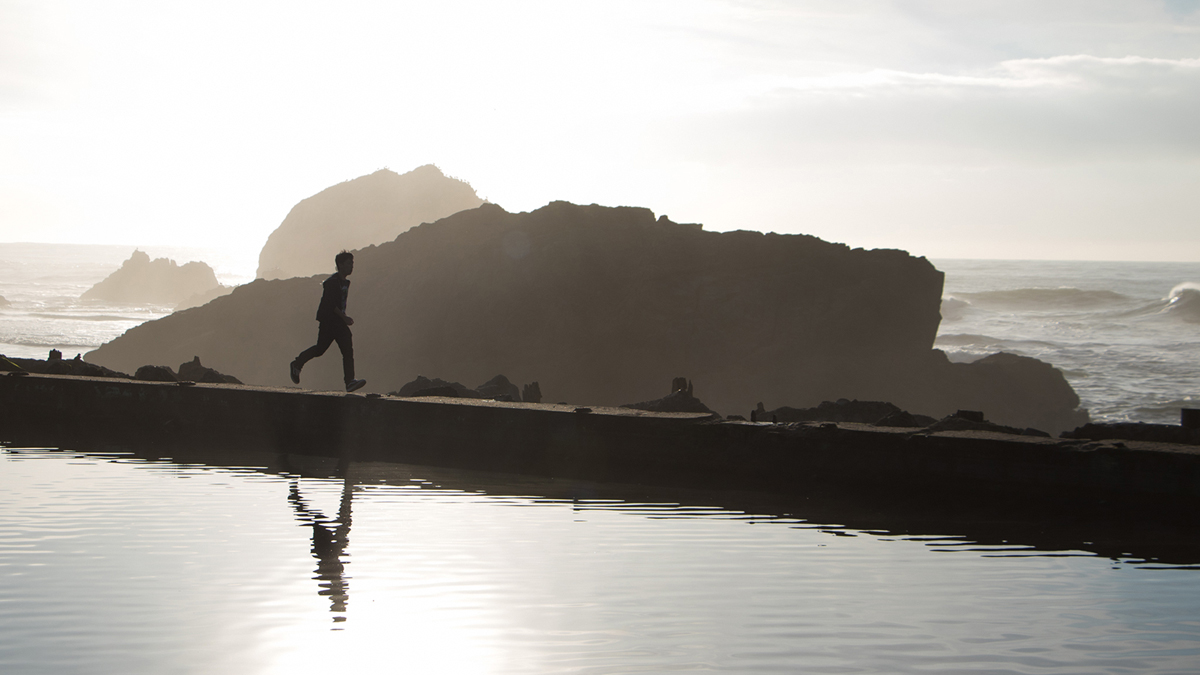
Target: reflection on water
point(194, 563)
point(329, 541)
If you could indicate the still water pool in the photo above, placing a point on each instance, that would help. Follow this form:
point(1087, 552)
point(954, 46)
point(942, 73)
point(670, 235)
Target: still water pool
point(115, 562)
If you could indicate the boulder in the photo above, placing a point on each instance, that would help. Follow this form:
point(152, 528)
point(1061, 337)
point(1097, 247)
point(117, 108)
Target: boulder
point(423, 386)
point(500, 389)
point(194, 371)
point(531, 393)
point(842, 410)
point(155, 374)
point(679, 400)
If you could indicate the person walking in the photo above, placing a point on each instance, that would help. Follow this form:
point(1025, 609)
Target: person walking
point(333, 323)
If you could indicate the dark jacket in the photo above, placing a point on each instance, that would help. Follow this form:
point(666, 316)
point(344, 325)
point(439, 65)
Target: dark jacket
point(334, 295)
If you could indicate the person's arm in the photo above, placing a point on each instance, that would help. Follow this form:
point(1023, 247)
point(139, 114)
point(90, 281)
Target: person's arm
point(343, 316)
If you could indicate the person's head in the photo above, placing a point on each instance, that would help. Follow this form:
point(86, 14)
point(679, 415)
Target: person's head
point(344, 262)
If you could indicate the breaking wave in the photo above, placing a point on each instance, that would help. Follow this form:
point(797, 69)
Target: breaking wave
point(1182, 303)
point(1044, 298)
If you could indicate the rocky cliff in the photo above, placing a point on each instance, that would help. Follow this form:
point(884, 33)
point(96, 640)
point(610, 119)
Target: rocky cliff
point(160, 281)
point(604, 305)
point(368, 210)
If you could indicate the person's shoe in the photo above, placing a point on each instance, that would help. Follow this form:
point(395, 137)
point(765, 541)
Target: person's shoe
point(355, 385)
point(295, 373)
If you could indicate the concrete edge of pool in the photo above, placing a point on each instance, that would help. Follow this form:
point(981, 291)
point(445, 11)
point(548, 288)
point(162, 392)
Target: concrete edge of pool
point(596, 443)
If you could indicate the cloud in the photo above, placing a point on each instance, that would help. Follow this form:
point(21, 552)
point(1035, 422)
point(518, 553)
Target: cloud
point(1076, 108)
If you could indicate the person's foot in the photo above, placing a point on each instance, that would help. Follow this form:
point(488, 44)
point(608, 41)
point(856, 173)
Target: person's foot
point(295, 372)
point(355, 385)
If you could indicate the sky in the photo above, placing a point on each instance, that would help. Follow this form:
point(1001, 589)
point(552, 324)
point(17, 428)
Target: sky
point(950, 129)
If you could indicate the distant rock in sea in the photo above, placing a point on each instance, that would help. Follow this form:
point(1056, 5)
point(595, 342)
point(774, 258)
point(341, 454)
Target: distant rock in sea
point(161, 281)
point(368, 210)
point(603, 306)
point(4, 303)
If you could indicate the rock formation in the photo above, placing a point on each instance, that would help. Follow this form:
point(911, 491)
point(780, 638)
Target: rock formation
point(4, 303)
point(605, 305)
point(194, 371)
point(423, 386)
point(499, 388)
point(680, 400)
point(843, 410)
point(368, 210)
point(156, 374)
point(55, 364)
point(157, 282)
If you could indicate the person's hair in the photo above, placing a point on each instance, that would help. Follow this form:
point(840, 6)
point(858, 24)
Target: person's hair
point(344, 256)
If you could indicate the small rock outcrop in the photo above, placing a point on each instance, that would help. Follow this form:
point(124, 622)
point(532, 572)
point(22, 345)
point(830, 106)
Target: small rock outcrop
point(156, 374)
point(56, 365)
point(844, 410)
point(368, 210)
point(680, 400)
point(161, 281)
point(194, 371)
point(969, 420)
point(424, 386)
point(531, 393)
point(1136, 431)
point(500, 389)
point(4, 303)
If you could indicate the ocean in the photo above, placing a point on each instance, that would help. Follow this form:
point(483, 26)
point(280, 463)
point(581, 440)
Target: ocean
point(1125, 334)
point(154, 559)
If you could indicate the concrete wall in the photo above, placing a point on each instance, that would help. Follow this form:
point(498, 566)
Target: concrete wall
point(602, 445)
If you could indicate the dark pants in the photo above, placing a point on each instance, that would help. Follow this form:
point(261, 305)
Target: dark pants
point(328, 333)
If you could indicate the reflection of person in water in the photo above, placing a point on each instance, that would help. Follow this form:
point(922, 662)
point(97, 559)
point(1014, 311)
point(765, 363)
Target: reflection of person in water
point(334, 324)
point(329, 541)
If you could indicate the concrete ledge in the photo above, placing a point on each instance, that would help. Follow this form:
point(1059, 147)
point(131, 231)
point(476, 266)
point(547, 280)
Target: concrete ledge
point(600, 444)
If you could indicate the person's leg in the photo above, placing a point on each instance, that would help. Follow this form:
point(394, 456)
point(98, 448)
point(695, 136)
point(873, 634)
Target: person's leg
point(325, 337)
point(345, 342)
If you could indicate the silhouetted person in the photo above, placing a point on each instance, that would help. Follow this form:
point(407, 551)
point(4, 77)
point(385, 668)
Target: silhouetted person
point(334, 325)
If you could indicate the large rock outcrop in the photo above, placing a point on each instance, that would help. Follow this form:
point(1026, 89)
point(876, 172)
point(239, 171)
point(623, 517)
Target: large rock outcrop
point(602, 305)
point(368, 210)
point(161, 281)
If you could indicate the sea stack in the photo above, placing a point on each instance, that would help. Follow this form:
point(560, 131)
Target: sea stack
point(367, 210)
point(161, 281)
